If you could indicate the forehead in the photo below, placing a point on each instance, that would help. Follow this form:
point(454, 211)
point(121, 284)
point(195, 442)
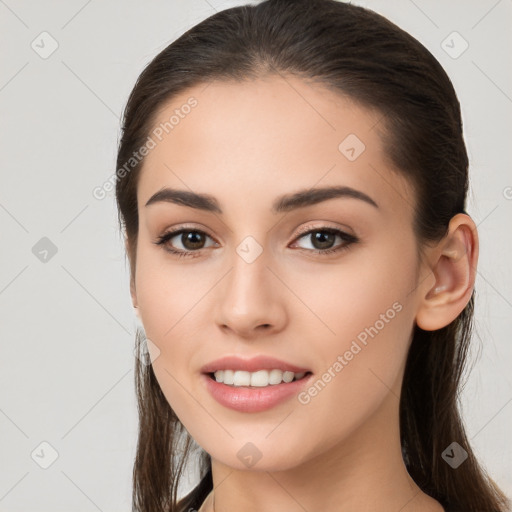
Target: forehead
point(237, 140)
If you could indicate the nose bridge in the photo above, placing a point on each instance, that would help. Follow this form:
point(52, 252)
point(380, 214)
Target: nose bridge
point(248, 282)
point(249, 295)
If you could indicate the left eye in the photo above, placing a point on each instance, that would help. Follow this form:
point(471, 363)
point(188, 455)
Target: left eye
point(323, 239)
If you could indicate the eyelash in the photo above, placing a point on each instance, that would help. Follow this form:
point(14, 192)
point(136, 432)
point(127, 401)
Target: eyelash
point(348, 239)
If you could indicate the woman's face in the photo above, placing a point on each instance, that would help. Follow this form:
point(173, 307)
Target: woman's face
point(251, 283)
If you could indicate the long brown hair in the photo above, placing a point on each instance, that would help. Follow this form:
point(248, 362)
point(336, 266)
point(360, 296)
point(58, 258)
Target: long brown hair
point(364, 56)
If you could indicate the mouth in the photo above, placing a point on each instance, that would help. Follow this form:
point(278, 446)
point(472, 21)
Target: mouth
point(256, 380)
point(258, 391)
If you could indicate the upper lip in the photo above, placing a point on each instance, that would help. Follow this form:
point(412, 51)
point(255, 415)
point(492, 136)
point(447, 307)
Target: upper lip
point(250, 365)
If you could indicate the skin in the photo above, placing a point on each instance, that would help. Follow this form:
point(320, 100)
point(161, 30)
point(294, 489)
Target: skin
point(246, 144)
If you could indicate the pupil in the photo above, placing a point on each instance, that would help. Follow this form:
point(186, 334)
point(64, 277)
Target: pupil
point(188, 239)
point(321, 237)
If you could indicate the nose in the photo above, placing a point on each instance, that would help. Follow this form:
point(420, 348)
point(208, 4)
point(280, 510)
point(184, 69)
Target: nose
point(250, 300)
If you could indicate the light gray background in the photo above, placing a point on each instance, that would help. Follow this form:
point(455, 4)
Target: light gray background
point(66, 362)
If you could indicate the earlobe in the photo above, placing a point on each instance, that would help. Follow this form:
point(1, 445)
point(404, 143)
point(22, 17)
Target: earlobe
point(453, 264)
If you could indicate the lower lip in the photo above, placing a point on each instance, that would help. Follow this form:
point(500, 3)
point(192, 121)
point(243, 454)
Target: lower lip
point(257, 399)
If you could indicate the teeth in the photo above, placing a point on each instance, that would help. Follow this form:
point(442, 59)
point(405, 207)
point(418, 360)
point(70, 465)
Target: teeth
point(261, 378)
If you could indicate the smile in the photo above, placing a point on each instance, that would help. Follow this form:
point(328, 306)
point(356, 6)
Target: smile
point(247, 398)
point(261, 378)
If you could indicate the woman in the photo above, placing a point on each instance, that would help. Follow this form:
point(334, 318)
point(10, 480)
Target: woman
point(292, 180)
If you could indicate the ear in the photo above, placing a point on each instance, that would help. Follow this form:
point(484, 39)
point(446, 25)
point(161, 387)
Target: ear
point(133, 292)
point(452, 264)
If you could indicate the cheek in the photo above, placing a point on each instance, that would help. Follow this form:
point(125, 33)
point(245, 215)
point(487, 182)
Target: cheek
point(165, 292)
point(166, 305)
point(365, 318)
point(171, 296)
point(367, 289)
point(167, 301)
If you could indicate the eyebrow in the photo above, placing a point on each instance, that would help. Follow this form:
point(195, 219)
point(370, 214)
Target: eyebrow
point(285, 203)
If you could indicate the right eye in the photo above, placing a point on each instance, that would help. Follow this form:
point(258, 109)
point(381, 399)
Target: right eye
point(192, 241)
